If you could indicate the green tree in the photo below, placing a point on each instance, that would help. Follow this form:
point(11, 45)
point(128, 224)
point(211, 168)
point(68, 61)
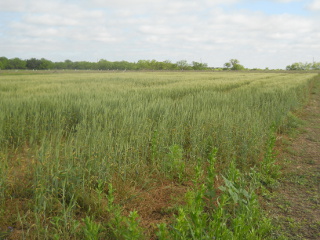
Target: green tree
point(234, 64)
point(33, 63)
point(143, 64)
point(199, 66)
point(16, 63)
point(3, 62)
point(59, 65)
point(105, 65)
point(168, 65)
point(234, 61)
point(295, 66)
point(316, 66)
point(237, 67)
point(227, 65)
point(68, 64)
point(120, 65)
point(183, 64)
point(45, 64)
point(303, 66)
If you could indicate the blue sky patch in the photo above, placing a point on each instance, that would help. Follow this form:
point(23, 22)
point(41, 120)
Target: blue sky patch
point(274, 8)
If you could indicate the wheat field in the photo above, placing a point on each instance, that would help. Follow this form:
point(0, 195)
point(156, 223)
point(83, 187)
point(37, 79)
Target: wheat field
point(66, 137)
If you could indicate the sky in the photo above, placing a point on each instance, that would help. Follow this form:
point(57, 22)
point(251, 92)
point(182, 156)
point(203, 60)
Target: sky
point(258, 33)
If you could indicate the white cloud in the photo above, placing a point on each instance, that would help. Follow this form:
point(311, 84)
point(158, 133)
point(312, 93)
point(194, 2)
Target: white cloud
point(13, 5)
point(314, 5)
point(50, 20)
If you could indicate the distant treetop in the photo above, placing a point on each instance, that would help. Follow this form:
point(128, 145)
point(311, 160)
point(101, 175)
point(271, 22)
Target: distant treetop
point(234, 64)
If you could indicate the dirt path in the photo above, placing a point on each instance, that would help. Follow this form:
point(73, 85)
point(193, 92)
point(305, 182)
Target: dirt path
point(295, 204)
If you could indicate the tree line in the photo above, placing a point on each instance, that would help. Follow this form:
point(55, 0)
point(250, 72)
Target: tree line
point(102, 64)
point(304, 66)
point(44, 64)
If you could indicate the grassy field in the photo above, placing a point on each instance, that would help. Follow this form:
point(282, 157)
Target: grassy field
point(159, 155)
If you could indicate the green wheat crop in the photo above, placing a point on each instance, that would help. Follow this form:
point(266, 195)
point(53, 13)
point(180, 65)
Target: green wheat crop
point(65, 137)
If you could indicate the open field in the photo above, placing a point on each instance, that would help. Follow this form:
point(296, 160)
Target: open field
point(112, 155)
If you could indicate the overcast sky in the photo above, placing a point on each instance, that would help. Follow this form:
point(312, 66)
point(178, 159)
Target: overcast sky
point(258, 33)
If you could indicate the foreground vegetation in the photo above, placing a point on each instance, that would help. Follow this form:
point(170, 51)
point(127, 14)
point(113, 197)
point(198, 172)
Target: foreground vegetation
point(141, 155)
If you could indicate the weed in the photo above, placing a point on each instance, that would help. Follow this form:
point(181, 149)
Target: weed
point(269, 170)
point(91, 229)
point(122, 227)
point(175, 165)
